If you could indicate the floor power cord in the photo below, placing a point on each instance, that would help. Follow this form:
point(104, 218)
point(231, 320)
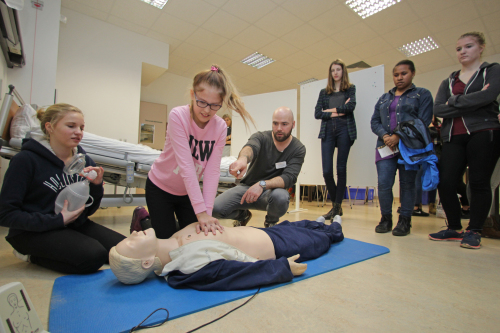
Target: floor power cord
point(140, 326)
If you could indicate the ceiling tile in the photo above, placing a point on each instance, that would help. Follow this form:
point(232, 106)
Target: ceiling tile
point(225, 24)
point(336, 19)
point(254, 37)
point(346, 56)
point(453, 17)
point(450, 36)
point(102, 5)
point(260, 77)
point(388, 58)
point(307, 10)
point(371, 47)
point(424, 8)
point(278, 49)
point(355, 35)
point(298, 59)
point(127, 25)
point(435, 66)
point(192, 11)
point(234, 50)
point(177, 71)
point(430, 57)
point(172, 26)
point(317, 69)
point(494, 37)
point(303, 36)
point(218, 3)
point(277, 68)
point(485, 7)
point(492, 21)
point(84, 9)
point(191, 52)
point(241, 69)
point(250, 11)
point(137, 12)
point(326, 48)
point(407, 34)
point(278, 83)
point(195, 69)
point(278, 2)
point(391, 18)
point(262, 89)
point(150, 73)
point(296, 76)
point(180, 63)
point(279, 22)
point(171, 41)
point(206, 39)
point(217, 59)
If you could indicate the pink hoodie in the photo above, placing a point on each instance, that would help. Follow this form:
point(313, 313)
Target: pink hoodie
point(191, 152)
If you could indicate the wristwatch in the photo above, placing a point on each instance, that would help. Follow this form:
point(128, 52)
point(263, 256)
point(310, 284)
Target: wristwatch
point(262, 184)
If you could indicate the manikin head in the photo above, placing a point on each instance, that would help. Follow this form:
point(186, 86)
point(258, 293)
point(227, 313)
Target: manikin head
point(135, 257)
point(283, 123)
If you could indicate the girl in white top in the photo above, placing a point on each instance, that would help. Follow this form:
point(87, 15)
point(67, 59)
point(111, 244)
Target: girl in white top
point(193, 148)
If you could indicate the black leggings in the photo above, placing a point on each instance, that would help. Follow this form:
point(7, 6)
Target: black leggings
point(71, 250)
point(162, 206)
point(480, 151)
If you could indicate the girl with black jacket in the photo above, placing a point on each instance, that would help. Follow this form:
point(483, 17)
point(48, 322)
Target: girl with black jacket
point(67, 242)
point(335, 108)
point(471, 136)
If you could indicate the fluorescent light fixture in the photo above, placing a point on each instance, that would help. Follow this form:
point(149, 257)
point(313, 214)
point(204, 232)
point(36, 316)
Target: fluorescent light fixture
point(425, 44)
point(257, 60)
point(307, 81)
point(157, 3)
point(365, 8)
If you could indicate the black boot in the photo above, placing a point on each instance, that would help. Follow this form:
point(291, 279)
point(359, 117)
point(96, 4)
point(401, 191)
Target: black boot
point(385, 224)
point(403, 227)
point(329, 215)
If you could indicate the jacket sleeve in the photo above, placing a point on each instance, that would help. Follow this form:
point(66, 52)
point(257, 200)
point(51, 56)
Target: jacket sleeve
point(212, 173)
point(318, 110)
point(233, 275)
point(480, 98)
point(425, 107)
point(349, 107)
point(16, 182)
point(376, 122)
point(443, 110)
point(293, 167)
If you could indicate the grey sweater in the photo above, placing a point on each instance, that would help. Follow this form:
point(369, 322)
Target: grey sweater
point(478, 108)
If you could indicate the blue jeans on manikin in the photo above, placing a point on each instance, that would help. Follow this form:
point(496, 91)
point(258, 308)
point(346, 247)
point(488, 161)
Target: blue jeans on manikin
point(337, 135)
point(386, 171)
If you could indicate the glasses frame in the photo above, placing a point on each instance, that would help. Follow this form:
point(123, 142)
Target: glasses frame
point(205, 104)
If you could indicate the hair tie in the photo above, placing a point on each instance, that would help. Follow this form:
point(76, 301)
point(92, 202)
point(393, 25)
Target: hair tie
point(213, 68)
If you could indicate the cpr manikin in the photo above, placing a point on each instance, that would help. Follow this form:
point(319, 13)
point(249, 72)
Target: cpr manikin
point(238, 258)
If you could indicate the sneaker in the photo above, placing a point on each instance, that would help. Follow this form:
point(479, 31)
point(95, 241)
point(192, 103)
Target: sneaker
point(447, 235)
point(465, 214)
point(385, 224)
point(471, 240)
point(403, 227)
point(270, 224)
point(243, 222)
point(419, 212)
point(140, 218)
point(23, 257)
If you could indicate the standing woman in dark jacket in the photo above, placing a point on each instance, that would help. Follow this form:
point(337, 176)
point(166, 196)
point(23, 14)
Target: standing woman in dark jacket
point(335, 108)
point(67, 242)
point(404, 102)
point(471, 136)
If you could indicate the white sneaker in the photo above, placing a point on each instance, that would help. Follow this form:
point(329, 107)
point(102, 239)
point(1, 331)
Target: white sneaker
point(23, 257)
point(337, 219)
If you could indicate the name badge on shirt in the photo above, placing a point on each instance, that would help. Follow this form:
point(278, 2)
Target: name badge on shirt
point(281, 165)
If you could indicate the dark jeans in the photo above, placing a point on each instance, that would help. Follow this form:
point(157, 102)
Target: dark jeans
point(80, 250)
point(386, 171)
point(480, 151)
point(418, 186)
point(337, 135)
point(163, 207)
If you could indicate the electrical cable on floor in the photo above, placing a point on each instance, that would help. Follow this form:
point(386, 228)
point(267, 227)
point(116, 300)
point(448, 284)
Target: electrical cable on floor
point(139, 327)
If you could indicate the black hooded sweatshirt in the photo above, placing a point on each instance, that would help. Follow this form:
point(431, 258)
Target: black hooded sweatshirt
point(31, 184)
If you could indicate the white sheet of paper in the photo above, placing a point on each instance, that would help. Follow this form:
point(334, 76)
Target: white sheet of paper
point(386, 151)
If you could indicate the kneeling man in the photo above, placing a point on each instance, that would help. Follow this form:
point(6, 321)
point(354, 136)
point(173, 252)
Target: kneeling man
point(275, 159)
point(238, 258)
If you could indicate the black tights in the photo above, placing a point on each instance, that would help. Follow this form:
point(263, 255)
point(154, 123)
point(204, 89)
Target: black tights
point(480, 151)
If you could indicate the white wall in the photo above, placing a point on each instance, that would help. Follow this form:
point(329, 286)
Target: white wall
point(99, 70)
point(169, 89)
point(36, 81)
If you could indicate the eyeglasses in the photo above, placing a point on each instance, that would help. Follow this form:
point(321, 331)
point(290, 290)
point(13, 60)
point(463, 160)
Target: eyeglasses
point(203, 104)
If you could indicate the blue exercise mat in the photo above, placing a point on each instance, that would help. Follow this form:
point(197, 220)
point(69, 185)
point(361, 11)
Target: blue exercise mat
point(100, 303)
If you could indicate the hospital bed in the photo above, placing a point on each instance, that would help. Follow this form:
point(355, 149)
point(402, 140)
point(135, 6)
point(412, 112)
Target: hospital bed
point(125, 164)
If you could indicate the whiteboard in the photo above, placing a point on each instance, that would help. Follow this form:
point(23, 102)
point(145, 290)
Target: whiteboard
point(261, 107)
point(361, 170)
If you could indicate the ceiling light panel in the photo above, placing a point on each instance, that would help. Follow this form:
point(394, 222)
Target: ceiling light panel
point(365, 8)
point(425, 44)
point(156, 3)
point(307, 81)
point(257, 60)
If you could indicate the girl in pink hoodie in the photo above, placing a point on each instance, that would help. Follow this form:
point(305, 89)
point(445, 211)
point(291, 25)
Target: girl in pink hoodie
point(193, 148)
